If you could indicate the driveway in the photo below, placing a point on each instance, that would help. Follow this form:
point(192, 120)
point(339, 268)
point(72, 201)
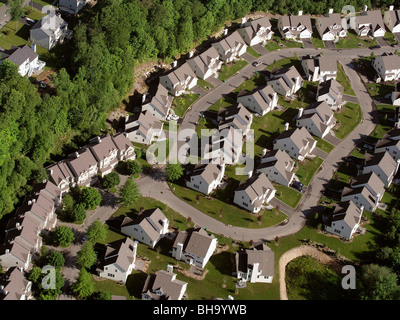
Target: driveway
point(318, 152)
point(397, 34)
point(260, 49)
point(329, 45)
point(308, 43)
point(248, 57)
point(382, 42)
point(349, 98)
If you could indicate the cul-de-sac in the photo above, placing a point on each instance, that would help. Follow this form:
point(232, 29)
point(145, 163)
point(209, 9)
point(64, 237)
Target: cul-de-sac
point(199, 150)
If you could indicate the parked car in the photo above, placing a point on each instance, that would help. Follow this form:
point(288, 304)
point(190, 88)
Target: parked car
point(256, 63)
point(298, 186)
point(368, 146)
point(84, 238)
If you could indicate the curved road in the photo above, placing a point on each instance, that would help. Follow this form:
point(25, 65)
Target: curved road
point(157, 188)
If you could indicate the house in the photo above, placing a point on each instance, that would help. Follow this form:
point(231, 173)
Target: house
point(143, 127)
point(194, 247)
point(286, 82)
point(293, 27)
point(163, 285)
point(277, 166)
point(256, 31)
point(149, 227)
point(320, 68)
point(298, 143)
point(390, 143)
point(14, 286)
point(25, 58)
point(179, 80)
point(71, 6)
point(206, 64)
point(317, 118)
point(391, 18)
point(61, 175)
point(383, 165)
point(371, 181)
point(344, 220)
point(126, 150)
point(370, 23)
point(235, 116)
point(118, 260)
point(13, 254)
point(105, 152)
point(254, 192)
point(49, 31)
point(224, 146)
point(330, 27)
point(255, 265)
point(230, 47)
point(387, 66)
point(261, 101)
point(84, 167)
point(395, 97)
point(331, 92)
point(160, 104)
point(205, 177)
point(48, 190)
point(362, 197)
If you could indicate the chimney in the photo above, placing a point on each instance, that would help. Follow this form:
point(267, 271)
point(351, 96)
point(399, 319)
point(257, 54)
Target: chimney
point(33, 47)
point(33, 200)
point(361, 209)
point(250, 174)
point(225, 32)
point(18, 226)
point(391, 8)
point(377, 199)
point(286, 126)
point(397, 166)
point(76, 154)
point(51, 171)
point(126, 134)
point(243, 21)
point(174, 64)
point(300, 113)
point(170, 268)
point(330, 10)
point(365, 8)
point(7, 250)
point(300, 12)
point(29, 202)
point(191, 53)
point(264, 152)
point(179, 251)
point(126, 118)
point(254, 273)
point(144, 98)
point(164, 226)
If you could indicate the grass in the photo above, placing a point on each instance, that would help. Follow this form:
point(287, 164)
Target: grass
point(352, 41)
point(230, 69)
point(286, 62)
point(204, 84)
point(343, 80)
point(307, 169)
point(249, 85)
point(182, 103)
point(43, 2)
point(324, 145)
point(251, 51)
point(222, 103)
point(11, 36)
point(390, 38)
point(348, 118)
point(219, 205)
point(287, 195)
point(272, 45)
point(379, 90)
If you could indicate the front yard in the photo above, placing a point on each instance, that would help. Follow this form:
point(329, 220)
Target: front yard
point(230, 69)
point(182, 103)
point(307, 169)
point(347, 119)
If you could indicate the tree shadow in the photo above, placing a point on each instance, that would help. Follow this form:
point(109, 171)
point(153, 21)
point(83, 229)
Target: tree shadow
point(135, 283)
point(222, 262)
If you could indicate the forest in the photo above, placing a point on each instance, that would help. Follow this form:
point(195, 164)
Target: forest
point(97, 73)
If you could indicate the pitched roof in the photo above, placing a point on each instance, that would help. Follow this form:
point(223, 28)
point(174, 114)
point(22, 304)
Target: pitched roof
point(389, 61)
point(381, 159)
point(121, 141)
point(256, 186)
point(102, 147)
point(197, 241)
point(371, 180)
point(49, 24)
point(299, 136)
point(373, 17)
point(261, 254)
point(81, 161)
point(165, 282)
point(121, 252)
point(346, 211)
point(329, 20)
point(14, 283)
point(209, 172)
point(20, 54)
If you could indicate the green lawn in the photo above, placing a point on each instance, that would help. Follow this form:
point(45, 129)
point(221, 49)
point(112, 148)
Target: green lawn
point(307, 169)
point(220, 207)
point(33, 13)
point(182, 103)
point(204, 84)
point(287, 195)
point(379, 90)
point(222, 103)
point(347, 119)
point(11, 36)
point(249, 85)
point(230, 69)
point(284, 63)
point(272, 45)
point(324, 145)
point(343, 80)
point(251, 51)
point(352, 41)
point(390, 38)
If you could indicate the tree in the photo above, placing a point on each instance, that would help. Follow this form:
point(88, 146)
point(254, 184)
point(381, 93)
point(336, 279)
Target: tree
point(103, 295)
point(97, 232)
point(84, 285)
point(78, 213)
point(174, 171)
point(129, 193)
point(63, 236)
point(133, 167)
point(56, 259)
point(86, 257)
point(90, 197)
point(15, 10)
point(111, 180)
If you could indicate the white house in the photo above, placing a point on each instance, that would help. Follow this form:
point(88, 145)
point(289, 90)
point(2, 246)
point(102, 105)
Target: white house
point(253, 193)
point(126, 151)
point(370, 23)
point(15, 255)
point(362, 197)
point(286, 82)
point(14, 286)
point(317, 118)
point(256, 31)
point(261, 101)
point(255, 265)
point(118, 260)
point(25, 58)
point(235, 116)
point(105, 152)
point(298, 143)
point(395, 97)
point(84, 167)
point(387, 66)
point(391, 18)
point(61, 175)
point(331, 92)
point(292, 27)
point(383, 165)
point(149, 228)
point(71, 6)
point(330, 27)
point(205, 177)
point(143, 127)
point(344, 220)
point(277, 166)
point(163, 285)
point(160, 104)
point(207, 64)
point(372, 182)
point(230, 47)
point(194, 247)
point(390, 143)
point(320, 68)
point(179, 80)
